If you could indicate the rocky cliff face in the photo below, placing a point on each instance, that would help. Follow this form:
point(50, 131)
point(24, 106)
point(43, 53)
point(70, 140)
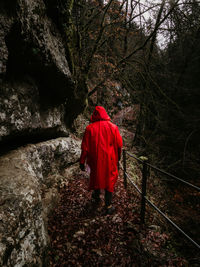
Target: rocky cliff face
point(36, 88)
point(29, 182)
point(22, 117)
point(38, 102)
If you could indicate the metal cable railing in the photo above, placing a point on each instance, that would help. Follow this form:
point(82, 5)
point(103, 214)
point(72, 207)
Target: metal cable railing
point(164, 172)
point(142, 192)
point(131, 181)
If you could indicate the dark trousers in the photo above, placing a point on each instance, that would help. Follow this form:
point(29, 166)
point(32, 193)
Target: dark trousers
point(108, 196)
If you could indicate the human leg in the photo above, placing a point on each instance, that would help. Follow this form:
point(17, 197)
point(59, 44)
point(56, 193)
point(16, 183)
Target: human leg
point(108, 202)
point(96, 195)
point(108, 198)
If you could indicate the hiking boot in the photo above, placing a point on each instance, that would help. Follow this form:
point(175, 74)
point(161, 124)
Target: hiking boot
point(110, 210)
point(95, 201)
point(96, 197)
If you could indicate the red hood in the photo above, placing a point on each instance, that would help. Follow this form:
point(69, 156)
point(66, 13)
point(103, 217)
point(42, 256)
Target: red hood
point(99, 114)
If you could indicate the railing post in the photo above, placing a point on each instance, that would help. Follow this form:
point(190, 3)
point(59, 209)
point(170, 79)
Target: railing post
point(124, 167)
point(144, 184)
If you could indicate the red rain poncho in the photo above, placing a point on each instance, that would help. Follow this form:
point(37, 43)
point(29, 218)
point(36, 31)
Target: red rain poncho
point(101, 145)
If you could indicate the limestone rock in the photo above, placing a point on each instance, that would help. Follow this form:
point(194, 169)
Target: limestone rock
point(29, 182)
point(21, 113)
point(38, 102)
point(33, 45)
point(37, 92)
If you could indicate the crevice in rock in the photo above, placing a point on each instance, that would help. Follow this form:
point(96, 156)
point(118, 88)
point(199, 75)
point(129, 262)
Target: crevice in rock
point(56, 10)
point(8, 7)
point(7, 253)
point(24, 138)
point(27, 59)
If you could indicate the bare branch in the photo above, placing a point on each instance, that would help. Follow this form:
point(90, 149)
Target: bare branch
point(150, 36)
point(102, 28)
point(96, 87)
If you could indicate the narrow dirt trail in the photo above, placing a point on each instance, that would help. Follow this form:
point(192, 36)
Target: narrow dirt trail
point(82, 235)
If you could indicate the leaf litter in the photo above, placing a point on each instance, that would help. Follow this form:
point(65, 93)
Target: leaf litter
point(82, 234)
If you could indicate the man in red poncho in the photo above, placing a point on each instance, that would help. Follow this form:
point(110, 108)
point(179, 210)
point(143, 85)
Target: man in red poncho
point(101, 146)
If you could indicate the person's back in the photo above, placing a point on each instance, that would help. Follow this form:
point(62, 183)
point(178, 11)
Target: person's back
point(101, 146)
